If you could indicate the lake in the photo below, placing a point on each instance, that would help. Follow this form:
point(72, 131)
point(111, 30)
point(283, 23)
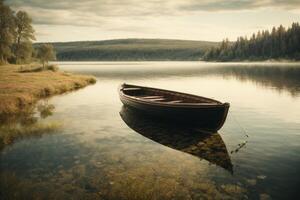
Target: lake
point(101, 150)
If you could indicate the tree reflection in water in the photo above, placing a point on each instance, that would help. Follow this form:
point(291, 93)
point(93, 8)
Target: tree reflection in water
point(27, 124)
point(279, 77)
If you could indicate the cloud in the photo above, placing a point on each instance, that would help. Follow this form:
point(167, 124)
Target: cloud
point(99, 7)
point(43, 16)
point(218, 5)
point(131, 29)
point(238, 5)
point(98, 12)
point(89, 12)
point(184, 19)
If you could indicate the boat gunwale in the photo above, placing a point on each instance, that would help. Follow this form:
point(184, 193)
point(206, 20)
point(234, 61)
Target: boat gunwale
point(169, 104)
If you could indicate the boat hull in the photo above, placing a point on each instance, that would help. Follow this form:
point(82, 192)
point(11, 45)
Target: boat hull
point(209, 118)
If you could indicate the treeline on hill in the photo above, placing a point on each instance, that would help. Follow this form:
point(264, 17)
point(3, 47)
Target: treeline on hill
point(280, 43)
point(131, 50)
point(130, 54)
point(16, 36)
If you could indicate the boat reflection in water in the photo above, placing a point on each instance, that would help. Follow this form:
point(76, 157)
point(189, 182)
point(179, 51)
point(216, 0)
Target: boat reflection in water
point(208, 146)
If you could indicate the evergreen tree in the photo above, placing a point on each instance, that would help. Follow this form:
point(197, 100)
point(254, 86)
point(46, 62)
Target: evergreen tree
point(280, 43)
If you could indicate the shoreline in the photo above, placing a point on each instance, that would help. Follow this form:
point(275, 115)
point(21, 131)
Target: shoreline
point(201, 61)
point(19, 89)
point(256, 60)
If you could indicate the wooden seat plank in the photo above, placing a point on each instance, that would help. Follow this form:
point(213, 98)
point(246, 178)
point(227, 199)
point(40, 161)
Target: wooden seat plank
point(176, 101)
point(150, 97)
point(158, 99)
point(127, 89)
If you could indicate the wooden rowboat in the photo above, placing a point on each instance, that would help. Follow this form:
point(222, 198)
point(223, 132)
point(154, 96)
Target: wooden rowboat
point(207, 114)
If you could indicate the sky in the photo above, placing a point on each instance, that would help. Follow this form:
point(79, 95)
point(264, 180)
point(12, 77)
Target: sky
point(208, 20)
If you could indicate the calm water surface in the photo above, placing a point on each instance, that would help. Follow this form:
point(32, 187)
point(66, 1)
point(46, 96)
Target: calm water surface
point(104, 151)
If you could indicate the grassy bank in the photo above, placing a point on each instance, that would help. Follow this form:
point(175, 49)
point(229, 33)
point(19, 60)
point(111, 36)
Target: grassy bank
point(22, 86)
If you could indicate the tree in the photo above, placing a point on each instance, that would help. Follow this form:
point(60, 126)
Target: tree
point(7, 27)
point(279, 43)
point(23, 52)
point(46, 53)
point(23, 37)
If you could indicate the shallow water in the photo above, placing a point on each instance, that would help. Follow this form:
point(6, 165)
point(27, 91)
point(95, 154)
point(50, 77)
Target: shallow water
point(103, 151)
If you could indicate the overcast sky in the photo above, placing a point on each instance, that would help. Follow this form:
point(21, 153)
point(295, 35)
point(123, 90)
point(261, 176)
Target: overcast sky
point(211, 20)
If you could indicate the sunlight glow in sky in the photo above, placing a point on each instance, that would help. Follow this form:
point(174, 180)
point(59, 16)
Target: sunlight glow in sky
point(210, 20)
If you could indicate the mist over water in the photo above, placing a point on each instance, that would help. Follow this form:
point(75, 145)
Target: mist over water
point(102, 151)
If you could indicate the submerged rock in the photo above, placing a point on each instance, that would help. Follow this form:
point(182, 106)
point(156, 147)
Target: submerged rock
point(262, 177)
point(264, 197)
point(251, 182)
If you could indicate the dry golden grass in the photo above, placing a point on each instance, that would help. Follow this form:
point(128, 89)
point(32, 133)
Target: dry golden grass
point(20, 90)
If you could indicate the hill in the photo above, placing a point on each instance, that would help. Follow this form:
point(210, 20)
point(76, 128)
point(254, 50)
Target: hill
point(131, 50)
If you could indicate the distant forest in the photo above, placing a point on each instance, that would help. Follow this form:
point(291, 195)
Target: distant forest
point(280, 43)
point(132, 50)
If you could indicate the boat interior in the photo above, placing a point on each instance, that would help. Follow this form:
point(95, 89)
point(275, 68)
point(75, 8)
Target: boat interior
point(156, 95)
